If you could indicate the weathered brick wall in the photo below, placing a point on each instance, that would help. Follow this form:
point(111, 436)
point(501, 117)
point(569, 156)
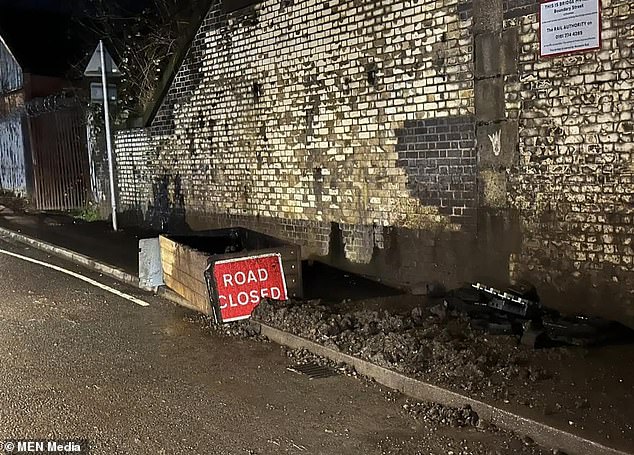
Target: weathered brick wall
point(406, 140)
point(574, 182)
point(134, 180)
point(293, 111)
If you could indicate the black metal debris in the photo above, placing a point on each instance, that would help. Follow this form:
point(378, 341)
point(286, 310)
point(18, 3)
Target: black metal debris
point(518, 311)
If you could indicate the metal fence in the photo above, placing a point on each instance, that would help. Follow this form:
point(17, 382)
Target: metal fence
point(61, 176)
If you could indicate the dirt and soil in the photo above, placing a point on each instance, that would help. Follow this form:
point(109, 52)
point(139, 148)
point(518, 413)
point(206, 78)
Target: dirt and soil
point(587, 391)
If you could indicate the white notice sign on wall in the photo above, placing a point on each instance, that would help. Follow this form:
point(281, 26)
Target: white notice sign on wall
point(568, 26)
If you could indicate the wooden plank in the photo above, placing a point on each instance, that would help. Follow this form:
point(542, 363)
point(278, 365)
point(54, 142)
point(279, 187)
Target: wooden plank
point(187, 265)
point(178, 287)
point(185, 257)
point(173, 269)
point(198, 260)
point(198, 275)
point(194, 268)
point(197, 284)
point(167, 244)
point(200, 302)
point(184, 263)
point(168, 267)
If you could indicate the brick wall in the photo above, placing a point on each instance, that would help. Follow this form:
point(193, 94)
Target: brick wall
point(440, 160)
point(406, 140)
point(290, 112)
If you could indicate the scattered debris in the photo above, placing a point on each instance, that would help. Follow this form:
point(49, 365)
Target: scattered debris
point(444, 415)
point(507, 302)
point(242, 329)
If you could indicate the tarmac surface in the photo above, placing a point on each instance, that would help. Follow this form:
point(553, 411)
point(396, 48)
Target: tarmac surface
point(80, 362)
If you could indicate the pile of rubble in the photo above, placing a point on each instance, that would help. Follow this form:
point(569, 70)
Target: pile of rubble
point(242, 329)
point(447, 350)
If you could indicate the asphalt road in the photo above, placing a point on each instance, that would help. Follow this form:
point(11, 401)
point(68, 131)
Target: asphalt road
point(79, 362)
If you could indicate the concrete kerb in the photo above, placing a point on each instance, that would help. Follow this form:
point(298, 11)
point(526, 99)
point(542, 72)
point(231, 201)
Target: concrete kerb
point(91, 264)
point(541, 433)
point(70, 255)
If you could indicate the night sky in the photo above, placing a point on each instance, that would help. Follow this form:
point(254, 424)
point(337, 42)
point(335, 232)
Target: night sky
point(41, 5)
point(45, 35)
point(42, 34)
point(62, 6)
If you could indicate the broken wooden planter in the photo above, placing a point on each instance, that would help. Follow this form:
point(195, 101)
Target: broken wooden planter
point(225, 272)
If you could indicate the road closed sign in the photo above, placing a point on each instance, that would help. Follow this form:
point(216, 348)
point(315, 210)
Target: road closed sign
point(236, 286)
point(569, 26)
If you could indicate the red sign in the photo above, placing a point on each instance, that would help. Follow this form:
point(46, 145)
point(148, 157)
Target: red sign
point(241, 283)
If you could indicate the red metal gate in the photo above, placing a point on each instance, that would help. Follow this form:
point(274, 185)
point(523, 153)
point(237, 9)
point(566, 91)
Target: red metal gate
point(60, 160)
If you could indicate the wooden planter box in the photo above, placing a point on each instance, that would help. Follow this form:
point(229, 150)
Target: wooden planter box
point(185, 258)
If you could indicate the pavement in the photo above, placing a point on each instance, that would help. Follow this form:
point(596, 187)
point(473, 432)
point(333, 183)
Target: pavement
point(81, 362)
point(197, 358)
point(93, 239)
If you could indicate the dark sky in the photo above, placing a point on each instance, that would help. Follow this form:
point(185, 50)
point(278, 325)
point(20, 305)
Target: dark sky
point(45, 35)
point(42, 5)
point(62, 6)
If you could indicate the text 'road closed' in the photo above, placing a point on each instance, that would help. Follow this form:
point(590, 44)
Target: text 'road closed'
point(241, 284)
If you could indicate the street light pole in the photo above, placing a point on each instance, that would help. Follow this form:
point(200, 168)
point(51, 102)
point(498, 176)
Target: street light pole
point(106, 111)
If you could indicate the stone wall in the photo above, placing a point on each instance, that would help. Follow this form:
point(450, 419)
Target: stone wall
point(574, 180)
point(410, 141)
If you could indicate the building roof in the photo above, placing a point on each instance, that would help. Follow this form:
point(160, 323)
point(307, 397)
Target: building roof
point(43, 42)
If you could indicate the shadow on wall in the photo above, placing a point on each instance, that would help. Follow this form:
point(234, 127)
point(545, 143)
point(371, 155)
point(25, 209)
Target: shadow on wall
point(165, 212)
point(404, 257)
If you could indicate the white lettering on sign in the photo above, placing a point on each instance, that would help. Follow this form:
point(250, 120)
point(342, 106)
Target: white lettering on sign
point(240, 278)
point(246, 298)
point(241, 283)
point(568, 26)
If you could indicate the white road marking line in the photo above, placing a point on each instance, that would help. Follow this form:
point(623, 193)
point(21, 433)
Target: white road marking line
point(78, 276)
